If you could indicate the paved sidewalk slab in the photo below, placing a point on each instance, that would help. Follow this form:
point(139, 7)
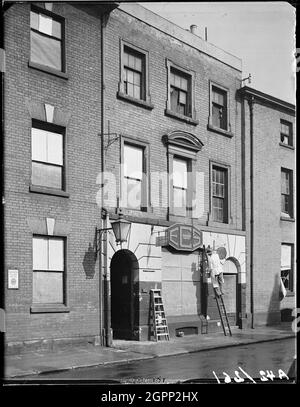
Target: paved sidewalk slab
point(122, 351)
point(38, 363)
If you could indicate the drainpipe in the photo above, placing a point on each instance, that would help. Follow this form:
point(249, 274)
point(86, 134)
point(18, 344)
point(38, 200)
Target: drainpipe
point(2, 66)
point(103, 225)
point(251, 103)
point(104, 284)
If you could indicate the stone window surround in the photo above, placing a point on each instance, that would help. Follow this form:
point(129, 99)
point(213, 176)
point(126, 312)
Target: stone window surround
point(191, 94)
point(186, 146)
point(134, 141)
point(227, 167)
point(210, 126)
point(146, 102)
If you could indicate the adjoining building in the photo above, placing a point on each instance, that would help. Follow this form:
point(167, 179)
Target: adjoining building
point(268, 131)
point(112, 107)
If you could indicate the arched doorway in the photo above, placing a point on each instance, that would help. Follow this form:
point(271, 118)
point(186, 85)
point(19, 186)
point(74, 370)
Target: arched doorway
point(123, 272)
point(231, 268)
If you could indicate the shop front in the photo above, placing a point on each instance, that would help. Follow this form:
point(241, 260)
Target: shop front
point(170, 259)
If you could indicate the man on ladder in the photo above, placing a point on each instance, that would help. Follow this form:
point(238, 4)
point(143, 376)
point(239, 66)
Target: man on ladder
point(216, 271)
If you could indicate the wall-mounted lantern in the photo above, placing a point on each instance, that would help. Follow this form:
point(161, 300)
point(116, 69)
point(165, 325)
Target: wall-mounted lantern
point(121, 228)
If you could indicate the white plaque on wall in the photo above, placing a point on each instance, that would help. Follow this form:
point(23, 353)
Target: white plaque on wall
point(13, 279)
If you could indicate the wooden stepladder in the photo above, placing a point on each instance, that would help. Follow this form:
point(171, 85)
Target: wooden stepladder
point(159, 321)
point(223, 313)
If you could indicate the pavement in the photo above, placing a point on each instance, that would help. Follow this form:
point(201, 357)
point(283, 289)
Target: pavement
point(40, 362)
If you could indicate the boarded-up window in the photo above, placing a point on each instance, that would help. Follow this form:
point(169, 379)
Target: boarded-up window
point(48, 257)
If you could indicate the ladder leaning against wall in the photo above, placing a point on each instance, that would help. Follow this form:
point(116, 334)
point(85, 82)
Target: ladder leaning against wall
point(219, 301)
point(159, 325)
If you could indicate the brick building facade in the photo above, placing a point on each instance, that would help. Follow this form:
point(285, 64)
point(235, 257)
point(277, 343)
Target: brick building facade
point(131, 102)
point(270, 123)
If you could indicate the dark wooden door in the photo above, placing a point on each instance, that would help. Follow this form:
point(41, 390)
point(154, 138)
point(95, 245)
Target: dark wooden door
point(121, 296)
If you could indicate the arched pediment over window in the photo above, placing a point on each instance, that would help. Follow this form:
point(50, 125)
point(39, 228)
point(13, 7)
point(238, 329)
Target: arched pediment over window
point(184, 140)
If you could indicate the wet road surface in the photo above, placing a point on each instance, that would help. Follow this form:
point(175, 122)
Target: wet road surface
point(247, 359)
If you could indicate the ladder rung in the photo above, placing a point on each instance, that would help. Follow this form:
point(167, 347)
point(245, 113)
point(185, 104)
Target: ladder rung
point(223, 314)
point(159, 321)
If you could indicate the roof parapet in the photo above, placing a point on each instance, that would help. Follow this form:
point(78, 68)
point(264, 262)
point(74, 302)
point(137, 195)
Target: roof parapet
point(186, 36)
point(246, 91)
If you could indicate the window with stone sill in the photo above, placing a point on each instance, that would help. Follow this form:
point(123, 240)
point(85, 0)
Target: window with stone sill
point(133, 74)
point(182, 150)
point(287, 271)
point(179, 93)
point(134, 82)
point(47, 155)
point(47, 39)
point(180, 101)
point(48, 258)
point(219, 194)
point(134, 175)
point(181, 185)
point(286, 193)
point(286, 133)
point(219, 107)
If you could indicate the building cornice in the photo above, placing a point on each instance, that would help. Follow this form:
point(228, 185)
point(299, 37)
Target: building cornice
point(264, 98)
point(148, 17)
